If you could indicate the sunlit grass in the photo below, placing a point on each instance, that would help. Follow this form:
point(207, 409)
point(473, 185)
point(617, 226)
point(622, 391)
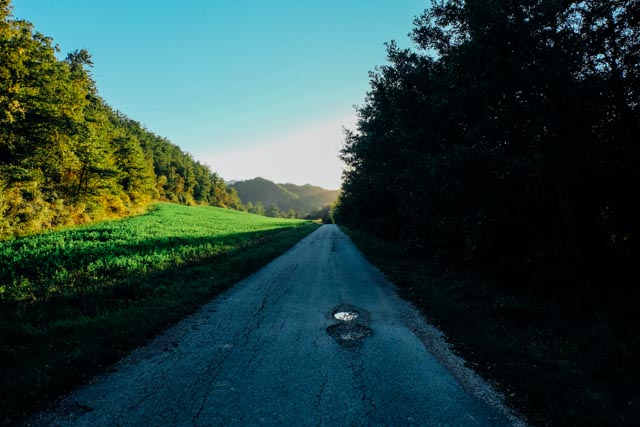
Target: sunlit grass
point(79, 260)
point(74, 301)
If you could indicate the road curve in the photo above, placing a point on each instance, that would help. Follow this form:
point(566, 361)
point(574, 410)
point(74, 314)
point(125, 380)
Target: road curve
point(270, 352)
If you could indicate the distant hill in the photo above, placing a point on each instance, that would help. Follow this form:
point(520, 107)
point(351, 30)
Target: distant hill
point(303, 199)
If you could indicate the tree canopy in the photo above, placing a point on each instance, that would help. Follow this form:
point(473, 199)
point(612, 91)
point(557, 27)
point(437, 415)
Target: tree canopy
point(506, 142)
point(291, 201)
point(66, 157)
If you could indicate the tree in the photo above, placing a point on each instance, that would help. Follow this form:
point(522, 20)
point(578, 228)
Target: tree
point(504, 143)
point(258, 209)
point(291, 214)
point(66, 157)
point(136, 173)
point(38, 127)
point(273, 211)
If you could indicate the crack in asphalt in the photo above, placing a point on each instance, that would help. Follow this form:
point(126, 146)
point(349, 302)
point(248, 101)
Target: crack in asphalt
point(244, 338)
point(318, 402)
point(360, 386)
point(262, 354)
point(215, 365)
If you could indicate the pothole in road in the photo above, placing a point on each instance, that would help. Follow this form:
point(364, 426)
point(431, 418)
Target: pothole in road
point(349, 334)
point(346, 316)
point(350, 331)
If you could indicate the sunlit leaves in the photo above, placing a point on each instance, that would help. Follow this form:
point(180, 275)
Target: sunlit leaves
point(66, 157)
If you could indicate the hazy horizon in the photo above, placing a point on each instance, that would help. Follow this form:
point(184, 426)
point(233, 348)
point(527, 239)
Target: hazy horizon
point(249, 88)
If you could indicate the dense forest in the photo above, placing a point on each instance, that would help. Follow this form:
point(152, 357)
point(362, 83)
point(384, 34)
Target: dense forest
point(506, 143)
point(264, 197)
point(66, 157)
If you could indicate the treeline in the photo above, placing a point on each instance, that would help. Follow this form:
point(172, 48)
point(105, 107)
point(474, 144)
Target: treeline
point(263, 197)
point(508, 143)
point(66, 157)
point(274, 211)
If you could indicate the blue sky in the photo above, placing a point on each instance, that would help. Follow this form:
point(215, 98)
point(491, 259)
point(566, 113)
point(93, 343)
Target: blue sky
point(250, 87)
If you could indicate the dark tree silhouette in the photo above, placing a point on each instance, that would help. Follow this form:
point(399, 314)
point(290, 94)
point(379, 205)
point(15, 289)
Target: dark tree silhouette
point(507, 142)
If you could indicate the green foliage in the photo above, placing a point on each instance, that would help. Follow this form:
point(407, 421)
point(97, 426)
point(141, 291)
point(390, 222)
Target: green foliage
point(81, 260)
point(507, 143)
point(103, 289)
point(503, 150)
point(66, 157)
point(273, 211)
point(324, 214)
point(291, 200)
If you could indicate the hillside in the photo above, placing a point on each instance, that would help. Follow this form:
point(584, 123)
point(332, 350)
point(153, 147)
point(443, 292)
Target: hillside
point(311, 194)
point(67, 157)
point(303, 199)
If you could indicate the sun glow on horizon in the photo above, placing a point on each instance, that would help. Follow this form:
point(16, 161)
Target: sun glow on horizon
point(304, 156)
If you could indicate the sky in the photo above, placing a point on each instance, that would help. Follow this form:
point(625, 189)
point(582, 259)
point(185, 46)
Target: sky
point(248, 87)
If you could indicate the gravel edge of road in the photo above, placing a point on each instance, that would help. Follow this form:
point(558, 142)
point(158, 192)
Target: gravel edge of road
point(435, 341)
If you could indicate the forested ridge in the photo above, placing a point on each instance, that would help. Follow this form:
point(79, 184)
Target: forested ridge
point(67, 157)
point(507, 143)
point(264, 197)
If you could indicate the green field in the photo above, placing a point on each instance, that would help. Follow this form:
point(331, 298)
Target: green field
point(73, 301)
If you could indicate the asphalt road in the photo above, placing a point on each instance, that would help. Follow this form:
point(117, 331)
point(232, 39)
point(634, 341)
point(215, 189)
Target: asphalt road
point(271, 352)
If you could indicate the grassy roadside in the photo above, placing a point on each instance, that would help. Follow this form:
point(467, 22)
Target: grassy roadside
point(559, 368)
point(103, 298)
